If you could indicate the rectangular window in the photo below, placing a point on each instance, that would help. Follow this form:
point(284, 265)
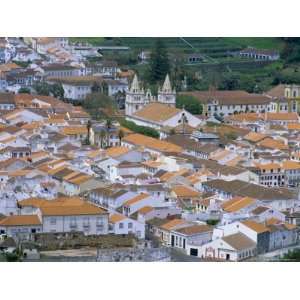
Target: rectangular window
point(130, 225)
point(53, 221)
point(121, 225)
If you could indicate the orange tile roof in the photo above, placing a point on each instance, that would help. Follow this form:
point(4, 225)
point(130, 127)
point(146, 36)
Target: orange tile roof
point(157, 112)
point(168, 175)
point(237, 203)
point(290, 165)
point(293, 126)
point(20, 220)
point(84, 208)
point(194, 229)
point(115, 218)
point(282, 116)
point(245, 117)
point(151, 143)
point(144, 210)
point(80, 179)
point(136, 199)
point(152, 163)
point(268, 166)
point(116, 151)
point(185, 191)
point(257, 227)
point(74, 130)
point(273, 144)
point(272, 221)
point(254, 137)
point(172, 224)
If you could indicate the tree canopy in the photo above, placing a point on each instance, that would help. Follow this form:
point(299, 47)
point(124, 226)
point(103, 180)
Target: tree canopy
point(99, 105)
point(190, 103)
point(140, 129)
point(159, 65)
point(56, 90)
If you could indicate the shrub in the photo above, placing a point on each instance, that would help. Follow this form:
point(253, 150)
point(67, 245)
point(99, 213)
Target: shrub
point(140, 129)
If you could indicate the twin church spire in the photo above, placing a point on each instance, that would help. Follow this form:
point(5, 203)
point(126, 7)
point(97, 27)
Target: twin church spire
point(137, 99)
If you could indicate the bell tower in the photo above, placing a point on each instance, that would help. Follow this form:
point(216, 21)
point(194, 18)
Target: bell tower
point(135, 98)
point(166, 95)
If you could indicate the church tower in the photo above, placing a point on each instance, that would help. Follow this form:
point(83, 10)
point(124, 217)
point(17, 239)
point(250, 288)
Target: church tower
point(166, 95)
point(135, 98)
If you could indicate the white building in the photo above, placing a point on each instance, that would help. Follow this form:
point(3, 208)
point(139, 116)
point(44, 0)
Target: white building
point(120, 224)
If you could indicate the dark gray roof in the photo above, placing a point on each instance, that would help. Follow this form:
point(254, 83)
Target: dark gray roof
point(246, 189)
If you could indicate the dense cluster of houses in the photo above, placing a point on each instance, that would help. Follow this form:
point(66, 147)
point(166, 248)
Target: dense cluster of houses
point(27, 62)
point(218, 190)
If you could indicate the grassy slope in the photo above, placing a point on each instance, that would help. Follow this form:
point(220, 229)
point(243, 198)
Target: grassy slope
point(197, 42)
point(256, 42)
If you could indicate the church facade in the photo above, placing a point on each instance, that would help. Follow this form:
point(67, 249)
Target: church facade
point(137, 98)
point(158, 112)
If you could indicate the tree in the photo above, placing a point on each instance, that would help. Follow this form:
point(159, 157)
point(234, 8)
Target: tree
point(24, 90)
point(108, 125)
point(102, 135)
point(88, 127)
point(140, 129)
point(57, 90)
point(189, 103)
point(159, 65)
point(42, 89)
point(99, 105)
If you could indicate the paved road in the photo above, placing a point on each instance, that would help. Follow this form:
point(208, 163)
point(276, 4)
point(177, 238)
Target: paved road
point(178, 256)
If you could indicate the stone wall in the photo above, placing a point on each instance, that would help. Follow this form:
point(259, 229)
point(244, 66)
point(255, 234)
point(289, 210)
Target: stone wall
point(134, 254)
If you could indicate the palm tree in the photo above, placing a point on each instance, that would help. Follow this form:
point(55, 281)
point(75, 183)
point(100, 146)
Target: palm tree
point(108, 125)
point(88, 127)
point(102, 136)
point(120, 135)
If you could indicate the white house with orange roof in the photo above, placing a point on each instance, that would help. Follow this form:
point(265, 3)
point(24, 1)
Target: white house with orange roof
point(22, 115)
point(233, 247)
point(120, 224)
point(66, 214)
point(77, 182)
point(21, 226)
point(140, 200)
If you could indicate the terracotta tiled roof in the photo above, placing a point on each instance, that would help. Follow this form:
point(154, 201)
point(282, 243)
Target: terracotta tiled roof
point(136, 199)
point(229, 97)
point(74, 130)
point(273, 144)
point(290, 165)
point(115, 218)
point(157, 112)
point(257, 227)
point(254, 137)
point(292, 116)
point(151, 143)
point(20, 220)
point(237, 203)
point(239, 241)
point(194, 229)
point(293, 126)
point(116, 151)
point(144, 210)
point(71, 210)
point(185, 191)
point(172, 224)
